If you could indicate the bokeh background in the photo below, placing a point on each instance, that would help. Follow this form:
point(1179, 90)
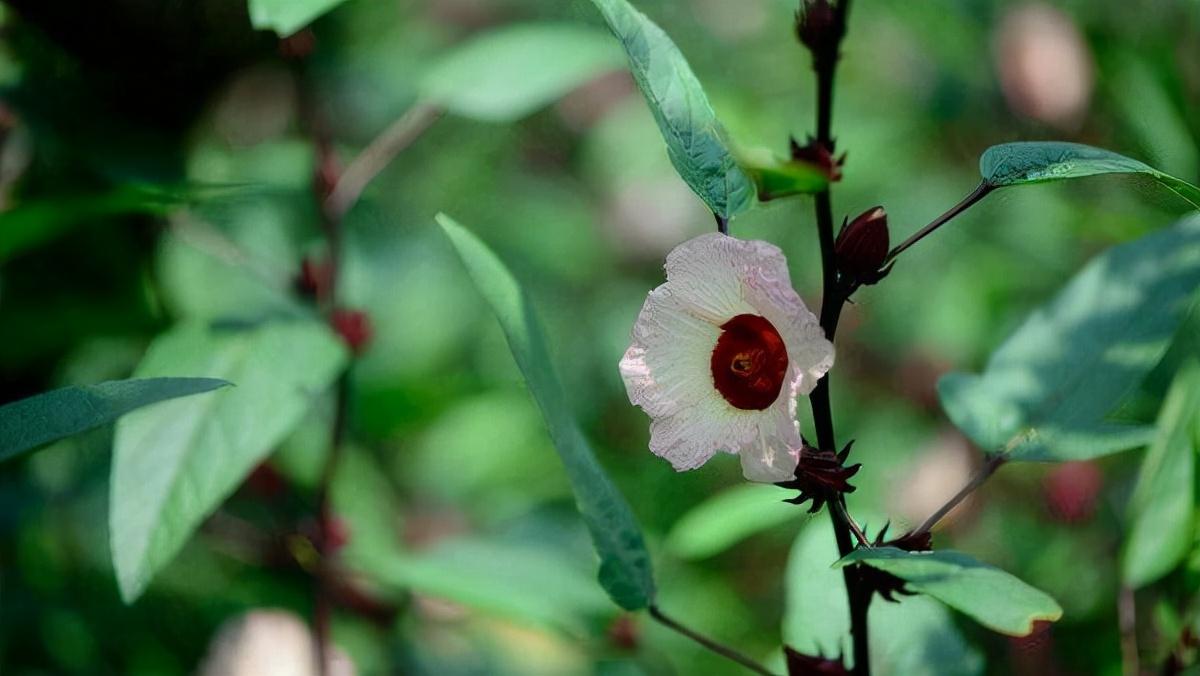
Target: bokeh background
point(109, 105)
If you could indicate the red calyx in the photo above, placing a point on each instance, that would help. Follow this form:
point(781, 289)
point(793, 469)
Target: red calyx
point(862, 247)
point(820, 476)
point(354, 326)
point(749, 362)
point(819, 155)
point(315, 279)
point(799, 664)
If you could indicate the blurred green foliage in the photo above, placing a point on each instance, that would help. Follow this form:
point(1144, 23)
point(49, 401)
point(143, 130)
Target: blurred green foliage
point(157, 166)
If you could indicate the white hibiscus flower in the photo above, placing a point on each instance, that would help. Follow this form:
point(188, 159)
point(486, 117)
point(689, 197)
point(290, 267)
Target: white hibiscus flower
point(721, 352)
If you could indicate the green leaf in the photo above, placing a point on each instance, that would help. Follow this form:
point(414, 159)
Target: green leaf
point(696, 141)
point(726, 518)
point(988, 595)
point(508, 73)
point(775, 177)
point(286, 17)
point(42, 418)
point(534, 585)
point(174, 463)
point(1041, 161)
point(1047, 392)
point(1162, 510)
point(625, 571)
point(915, 637)
point(31, 224)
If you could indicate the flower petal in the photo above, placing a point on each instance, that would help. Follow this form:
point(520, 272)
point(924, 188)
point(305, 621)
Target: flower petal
point(667, 368)
point(693, 435)
point(772, 455)
point(705, 273)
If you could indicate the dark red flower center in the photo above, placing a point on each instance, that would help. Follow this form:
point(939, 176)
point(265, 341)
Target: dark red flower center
point(749, 362)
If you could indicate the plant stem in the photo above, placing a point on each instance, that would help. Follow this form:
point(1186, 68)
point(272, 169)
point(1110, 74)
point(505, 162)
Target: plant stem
point(981, 191)
point(993, 463)
point(833, 297)
point(324, 577)
point(377, 155)
point(718, 648)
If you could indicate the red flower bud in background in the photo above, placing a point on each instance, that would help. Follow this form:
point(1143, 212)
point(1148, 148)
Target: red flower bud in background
point(315, 279)
point(623, 632)
point(862, 247)
point(354, 326)
point(336, 534)
point(1070, 491)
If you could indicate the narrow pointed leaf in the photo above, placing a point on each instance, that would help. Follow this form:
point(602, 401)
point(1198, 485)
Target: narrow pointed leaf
point(175, 462)
point(987, 594)
point(625, 571)
point(43, 418)
point(1041, 161)
point(1047, 392)
point(696, 141)
point(510, 72)
point(1162, 510)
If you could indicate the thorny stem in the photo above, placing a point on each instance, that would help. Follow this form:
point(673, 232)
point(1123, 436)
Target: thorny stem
point(858, 594)
point(981, 191)
point(989, 468)
point(718, 648)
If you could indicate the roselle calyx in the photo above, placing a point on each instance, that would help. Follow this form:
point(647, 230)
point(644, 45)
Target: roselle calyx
point(888, 585)
point(862, 247)
point(799, 664)
point(819, 155)
point(821, 476)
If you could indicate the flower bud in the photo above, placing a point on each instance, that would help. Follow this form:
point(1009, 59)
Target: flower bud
point(315, 278)
point(354, 326)
point(862, 247)
point(818, 27)
point(800, 664)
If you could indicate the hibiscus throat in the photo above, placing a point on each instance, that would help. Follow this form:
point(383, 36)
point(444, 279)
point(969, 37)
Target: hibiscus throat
point(749, 362)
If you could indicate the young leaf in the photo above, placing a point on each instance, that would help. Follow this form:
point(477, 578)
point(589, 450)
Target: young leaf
point(625, 571)
point(508, 73)
point(989, 595)
point(1048, 390)
point(1161, 510)
point(286, 17)
point(42, 418)
point(174, 463)
point(915, 637)
point(1040, 161)
point(695, 138)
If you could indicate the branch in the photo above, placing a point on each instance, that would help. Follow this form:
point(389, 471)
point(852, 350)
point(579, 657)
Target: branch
point(993, 463)
point(377, 155)
point(718, 648)
point(981, 191)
